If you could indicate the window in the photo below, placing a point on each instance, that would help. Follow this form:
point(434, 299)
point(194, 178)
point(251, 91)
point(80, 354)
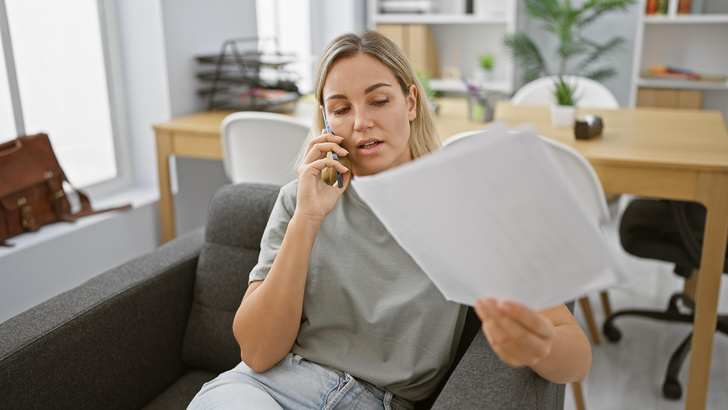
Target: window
point(288, 21)
point(57, 63)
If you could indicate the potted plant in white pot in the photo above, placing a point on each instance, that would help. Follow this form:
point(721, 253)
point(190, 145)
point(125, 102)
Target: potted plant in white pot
point(563, 111)
point(484, 70)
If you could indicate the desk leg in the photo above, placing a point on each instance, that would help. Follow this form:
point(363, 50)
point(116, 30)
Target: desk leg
point(165, 148)
point(714, 195)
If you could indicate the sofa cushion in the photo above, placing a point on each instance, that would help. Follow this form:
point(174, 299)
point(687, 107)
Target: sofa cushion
point(181, 393)
point(482, 381)
point(237, 217)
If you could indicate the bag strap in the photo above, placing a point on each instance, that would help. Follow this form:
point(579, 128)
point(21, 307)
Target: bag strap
point(10, 147)
point(55, 186)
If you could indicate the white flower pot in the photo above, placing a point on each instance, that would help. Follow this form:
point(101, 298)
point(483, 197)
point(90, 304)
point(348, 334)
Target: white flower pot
point(563, 115)
point(482, 76)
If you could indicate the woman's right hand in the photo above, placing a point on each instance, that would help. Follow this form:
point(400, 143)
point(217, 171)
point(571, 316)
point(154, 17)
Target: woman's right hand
point(315, 197)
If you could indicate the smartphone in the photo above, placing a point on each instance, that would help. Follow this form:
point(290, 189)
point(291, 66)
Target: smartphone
point(333, 154)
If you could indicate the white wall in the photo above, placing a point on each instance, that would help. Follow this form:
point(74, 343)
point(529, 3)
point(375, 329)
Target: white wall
point(333, 17)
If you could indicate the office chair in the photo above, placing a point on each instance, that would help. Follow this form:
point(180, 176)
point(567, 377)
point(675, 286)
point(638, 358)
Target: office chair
point(586, 182)
point(261, 146)
point(591, 93)
point(670, 231)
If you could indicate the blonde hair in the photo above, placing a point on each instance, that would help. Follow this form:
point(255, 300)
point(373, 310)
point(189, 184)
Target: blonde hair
point(423, 137)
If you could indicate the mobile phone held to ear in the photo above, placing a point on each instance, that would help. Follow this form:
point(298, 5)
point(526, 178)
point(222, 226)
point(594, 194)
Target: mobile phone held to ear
point(339, 181)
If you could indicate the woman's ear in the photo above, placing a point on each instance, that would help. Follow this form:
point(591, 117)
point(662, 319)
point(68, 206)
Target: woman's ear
point(412, 102)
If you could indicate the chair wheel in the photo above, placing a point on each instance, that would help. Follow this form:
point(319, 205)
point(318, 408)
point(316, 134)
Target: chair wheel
point(612, 333)
point(671, 389)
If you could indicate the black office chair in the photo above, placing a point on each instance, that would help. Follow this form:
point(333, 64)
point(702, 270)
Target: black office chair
point(670, 231)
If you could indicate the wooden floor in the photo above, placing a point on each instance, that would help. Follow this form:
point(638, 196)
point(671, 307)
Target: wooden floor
point(629, 374)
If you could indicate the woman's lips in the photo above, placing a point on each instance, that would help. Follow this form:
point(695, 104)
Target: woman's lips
point(369, 147)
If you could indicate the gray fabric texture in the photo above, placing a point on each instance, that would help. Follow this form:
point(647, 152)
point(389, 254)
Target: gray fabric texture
point(236, 221)
point(113, 342)
point(181, 393)
point(482, 381)
point(369, 309)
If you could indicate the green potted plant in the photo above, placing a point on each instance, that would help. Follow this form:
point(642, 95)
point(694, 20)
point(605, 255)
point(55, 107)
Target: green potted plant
point(484, 70)
point(575, 54)
point(563, 111)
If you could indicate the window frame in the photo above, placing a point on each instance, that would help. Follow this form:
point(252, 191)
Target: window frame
point(111, 51)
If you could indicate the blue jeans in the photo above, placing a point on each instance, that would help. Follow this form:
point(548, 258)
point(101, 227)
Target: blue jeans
point(293, 383)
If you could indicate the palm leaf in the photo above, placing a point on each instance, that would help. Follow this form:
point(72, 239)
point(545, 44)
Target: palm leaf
point(543, 9)
point(524, 51)
point(593, 9)
point(599, 51)
point(601, 74)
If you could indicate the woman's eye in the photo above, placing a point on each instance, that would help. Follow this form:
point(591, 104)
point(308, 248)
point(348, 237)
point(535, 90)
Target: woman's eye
point(381, 102)
point(340, 110)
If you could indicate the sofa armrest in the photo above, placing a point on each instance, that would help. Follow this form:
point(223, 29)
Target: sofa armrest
point(482, 381)
point(112, 342)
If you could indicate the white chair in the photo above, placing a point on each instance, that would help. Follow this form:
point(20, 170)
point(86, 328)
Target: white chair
point(261, 146)
point(591, 93)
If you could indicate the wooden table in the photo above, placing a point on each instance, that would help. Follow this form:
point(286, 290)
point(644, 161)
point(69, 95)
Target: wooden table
point(659, 153)
point(667, 154)
point(195, 136)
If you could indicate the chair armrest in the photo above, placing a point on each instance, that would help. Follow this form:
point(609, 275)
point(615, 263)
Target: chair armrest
point(112, 342)
point(482, 381)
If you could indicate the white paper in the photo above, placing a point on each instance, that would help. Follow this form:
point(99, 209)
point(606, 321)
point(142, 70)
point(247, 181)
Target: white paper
point(493, 215)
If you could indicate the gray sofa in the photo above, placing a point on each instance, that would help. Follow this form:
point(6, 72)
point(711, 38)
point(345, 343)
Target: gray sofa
point(149, 333)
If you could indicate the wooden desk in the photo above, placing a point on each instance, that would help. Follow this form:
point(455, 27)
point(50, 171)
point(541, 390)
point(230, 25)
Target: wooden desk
point(667, 154)
point(194, 136)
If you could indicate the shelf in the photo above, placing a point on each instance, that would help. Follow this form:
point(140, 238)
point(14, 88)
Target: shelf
point(687, 19)
point(433, 18)
point(682, 84)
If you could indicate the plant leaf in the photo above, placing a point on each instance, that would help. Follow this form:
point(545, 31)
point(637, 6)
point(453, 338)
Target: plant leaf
point(525, 52)
point(599, 51)
point(593, 9)
point(601, 74)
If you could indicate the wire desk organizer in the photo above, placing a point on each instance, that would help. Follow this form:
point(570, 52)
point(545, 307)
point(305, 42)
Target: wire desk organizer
point(249, 73)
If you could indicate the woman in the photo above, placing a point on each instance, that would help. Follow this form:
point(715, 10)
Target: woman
point(337, 315)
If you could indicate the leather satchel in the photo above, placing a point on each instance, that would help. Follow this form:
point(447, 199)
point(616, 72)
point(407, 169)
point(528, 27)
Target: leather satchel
point(34, 190)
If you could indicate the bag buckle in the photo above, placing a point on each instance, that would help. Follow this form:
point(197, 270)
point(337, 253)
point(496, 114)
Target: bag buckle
point(26, 213)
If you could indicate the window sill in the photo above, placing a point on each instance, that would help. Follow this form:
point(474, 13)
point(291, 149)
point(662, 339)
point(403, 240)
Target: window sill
point(137, 196)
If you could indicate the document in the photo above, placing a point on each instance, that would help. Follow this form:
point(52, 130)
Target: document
point(493, 214)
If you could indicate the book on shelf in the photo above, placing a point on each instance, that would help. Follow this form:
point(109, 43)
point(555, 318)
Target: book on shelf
point(661, 7)
point(684, 74)
point(651, 7)
point(683, 7)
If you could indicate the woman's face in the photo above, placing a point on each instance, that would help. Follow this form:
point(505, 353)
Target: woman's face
point(364, 104)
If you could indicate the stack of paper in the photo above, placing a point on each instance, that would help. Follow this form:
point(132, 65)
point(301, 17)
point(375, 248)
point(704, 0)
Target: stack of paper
point(494, 215)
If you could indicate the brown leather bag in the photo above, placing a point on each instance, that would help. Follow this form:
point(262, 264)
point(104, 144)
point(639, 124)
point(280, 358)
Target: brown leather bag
point(32, 188)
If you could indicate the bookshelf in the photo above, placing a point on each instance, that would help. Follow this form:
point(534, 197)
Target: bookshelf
point(693, 41)
point(451, 34)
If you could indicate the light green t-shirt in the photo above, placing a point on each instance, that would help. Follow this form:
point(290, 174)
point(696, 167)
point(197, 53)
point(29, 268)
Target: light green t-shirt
point(368, 308)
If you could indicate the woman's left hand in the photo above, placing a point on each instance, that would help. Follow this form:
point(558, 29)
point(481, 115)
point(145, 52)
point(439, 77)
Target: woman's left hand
point(518, 335)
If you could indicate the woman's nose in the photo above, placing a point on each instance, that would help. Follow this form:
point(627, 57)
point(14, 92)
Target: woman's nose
point(363, 120)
